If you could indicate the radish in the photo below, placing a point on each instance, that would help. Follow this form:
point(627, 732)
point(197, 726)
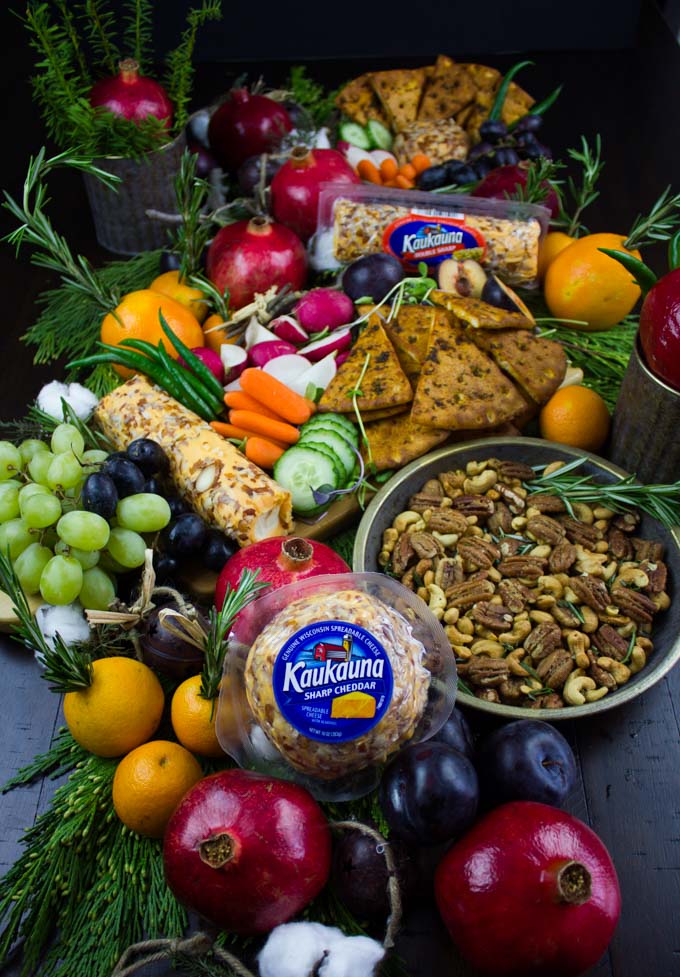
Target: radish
point(354, 156)
point(324, 308)
point(342, 146)
point(261, 353)
point(289, 329)
point(287, 368)
point(234, 360)
point(335, 342)
point(378, 156)
point(319, 375)
point(233, 385)
point(256, 333)
point(341, 357)
point(209, 358)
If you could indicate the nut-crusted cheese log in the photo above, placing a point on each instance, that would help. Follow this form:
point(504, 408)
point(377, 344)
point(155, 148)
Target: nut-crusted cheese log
point(220, 484)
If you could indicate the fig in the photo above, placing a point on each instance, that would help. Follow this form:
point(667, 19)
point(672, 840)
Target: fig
point(465, 278)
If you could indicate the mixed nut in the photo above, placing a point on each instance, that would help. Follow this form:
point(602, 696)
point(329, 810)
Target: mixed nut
point(545, 605)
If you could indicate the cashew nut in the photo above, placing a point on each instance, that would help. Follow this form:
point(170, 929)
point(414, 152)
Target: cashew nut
point(446, 539)
point(476, 467)
point(602, 512)
point(520, 630)
point(618, 671)
point(466, 626)
point(544, 602)
point(480, 483)
point(389, 541)
point(451, 615)
point(513, 662)
point(591, 621)
point(577, 641)
point(461, 651)
point(633, 577)
point(423, 593)
point(554, 466)
point(576, 686)
point(519, 522)
point(494, 649)
point(583, 513)
point(552, 585)
point(494, 574)
point(456, 637)
point(592, 695)
point(541, 617)
point(406, 519)
point(542, 551)
point(662, 601)
point(638, 660)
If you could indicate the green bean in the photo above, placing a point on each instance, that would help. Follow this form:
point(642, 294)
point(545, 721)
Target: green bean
point(497, 106)
point(186, 377)
point(200, 406)
point(195, 363)
point(643, 275)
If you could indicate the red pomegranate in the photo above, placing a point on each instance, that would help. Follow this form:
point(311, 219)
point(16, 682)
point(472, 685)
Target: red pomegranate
point(250, 256)
point(246, 851)
point(529, 891)
point(503, 181)
point(246, 125)
point(132, 96)
point(660, 329)
point(296, 186)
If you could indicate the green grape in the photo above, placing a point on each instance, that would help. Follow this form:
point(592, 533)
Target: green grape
point(66, 437)
point(15, 536)
point(48, 537)
point(127, 547)
point(33, 488)
point(31, 447)
point(94, 456)
point(39, 465)
point(9, 500)
point(86, 530)
point(10, 460)
point(65, 472)
point(40, 510)
point(144, 512)
point(107, 562)
point(61, 580)
point(98, 590)
point(29, 566)
point(86, 558)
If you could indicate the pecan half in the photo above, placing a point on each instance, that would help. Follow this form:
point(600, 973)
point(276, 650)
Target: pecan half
point(579, 532)
point(426, 546)
point(657, 574)
point(627, 522)
point(474, 505)
point(449, 572)
point(501, 520)
point(648, 549)
point(620, 545)
point(447, 521)
point(513, 500)
point(420, 502)
point(545, 502)
point(515, 595)
point(522, 566)
point(511, 689)
point(544, 639)
point(555, 668)
point(468, 592)
point(510, 546)
point(562, 557)
point(487, 695)
point(545, 530)
point(484, 671)
point(636, 605)
point(479, 554)
point(552, 701)
point(609, 642)
point(601, 676)
point(591, 591)
point(495, 617)
point(513, 469)
point(402, 555)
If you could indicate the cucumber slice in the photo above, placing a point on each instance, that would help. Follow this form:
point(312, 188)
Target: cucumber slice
point(381, 138)
point(336, 442)
point(303, 468)
point(355, 134)
point(339, 421)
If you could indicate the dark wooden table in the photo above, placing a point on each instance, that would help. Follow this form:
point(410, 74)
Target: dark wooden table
point(629, 759)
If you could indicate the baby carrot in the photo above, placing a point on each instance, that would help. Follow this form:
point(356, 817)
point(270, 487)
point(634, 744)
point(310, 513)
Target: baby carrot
point(228, 430)
point(243, 401)
point(270, 391)
point(367, 170)
point(390, 183)
point(408, 170)
point(420, 162)
point(258, 424)
point(403, 182)
point(388, 169)
point(262, 452)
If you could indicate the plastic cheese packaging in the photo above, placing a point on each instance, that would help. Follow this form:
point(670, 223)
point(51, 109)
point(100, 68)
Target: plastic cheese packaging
point(326, 678)
point(415, 227)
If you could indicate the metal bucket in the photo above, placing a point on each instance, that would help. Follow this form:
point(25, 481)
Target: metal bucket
point(120, 216)
point(645, 438)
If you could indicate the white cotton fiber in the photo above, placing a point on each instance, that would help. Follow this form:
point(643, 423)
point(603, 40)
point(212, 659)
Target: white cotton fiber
point(320, 250)
point(67, 621)
point(81, 400)
point(295, 949)
point(353, 956)
point(50, 398)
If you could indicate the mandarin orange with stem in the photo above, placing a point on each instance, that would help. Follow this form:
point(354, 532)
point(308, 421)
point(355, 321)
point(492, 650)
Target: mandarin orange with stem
point(137, 317)
point(576, 416)
point(150, 782)
point(552, 244)
point(193, 719)
point(583, 284)
point(170, 284)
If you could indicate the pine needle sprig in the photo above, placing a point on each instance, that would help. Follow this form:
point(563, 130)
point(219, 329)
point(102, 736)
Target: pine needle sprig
point(660, 224)
point(180, 70)
point(71, 31)
point(662, 502)
point(92, 437)
point(138, 20)
point(62, 757)
point(53, 44)
point(100, 23)
point(584, 193)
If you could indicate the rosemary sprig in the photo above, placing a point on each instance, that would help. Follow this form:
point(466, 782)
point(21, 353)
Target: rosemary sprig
point(662, 502)
point(660, 224)
point(180, 73)
point(541, 179)
point(192, 232)
point(584, 193)
point(219, 623)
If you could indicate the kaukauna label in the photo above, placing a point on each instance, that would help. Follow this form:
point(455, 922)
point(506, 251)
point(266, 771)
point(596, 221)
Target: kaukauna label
point(332, 681)
point(430, 239)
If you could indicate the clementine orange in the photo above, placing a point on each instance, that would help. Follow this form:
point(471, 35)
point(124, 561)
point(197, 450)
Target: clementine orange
point(583, 284)
point(120, 709)
point(192, 298)
point(137, 317)
point(576, 416)
point(552, 244)
point(193, 719)
point(215, 332)
point(150, 782)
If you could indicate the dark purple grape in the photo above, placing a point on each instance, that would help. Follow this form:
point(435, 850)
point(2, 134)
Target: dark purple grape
point(184, 537)
point(481, 149)
point(482, 167)
point(248, 173)
point(147, 455)
point(466, 174)
point(127, 476)
point(177, 505)
point(217, 549)
point(525, 140)
point(434, 177)
point(299, 116)
point(538, 151)
point(371, 276)
point(99, 494)
point(529, 123)
point(154, 486)
point(165, 565)
point(494, 295)
point(453, 168)
point(493, 130)
point(169, 261)
point(205, 161)
point(506, 156)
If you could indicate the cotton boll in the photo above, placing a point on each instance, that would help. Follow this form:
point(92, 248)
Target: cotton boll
point(295, 949)
point(321, 139)
point(67, 621)
point(50, 399)
point(81, 400)
point(353, 956)
point(320, 250)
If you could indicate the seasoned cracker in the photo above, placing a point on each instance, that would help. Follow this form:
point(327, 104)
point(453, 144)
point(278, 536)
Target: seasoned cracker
point(537, 365)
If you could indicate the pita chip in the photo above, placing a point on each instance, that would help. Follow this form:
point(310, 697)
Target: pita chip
point(394, 442)
point(399, 91)
point(537, 365)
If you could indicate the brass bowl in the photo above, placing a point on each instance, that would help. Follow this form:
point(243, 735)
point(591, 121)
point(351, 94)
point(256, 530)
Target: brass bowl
point(393, 497)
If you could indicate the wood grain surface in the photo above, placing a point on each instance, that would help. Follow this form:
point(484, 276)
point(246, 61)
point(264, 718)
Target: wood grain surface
point(629, 759)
